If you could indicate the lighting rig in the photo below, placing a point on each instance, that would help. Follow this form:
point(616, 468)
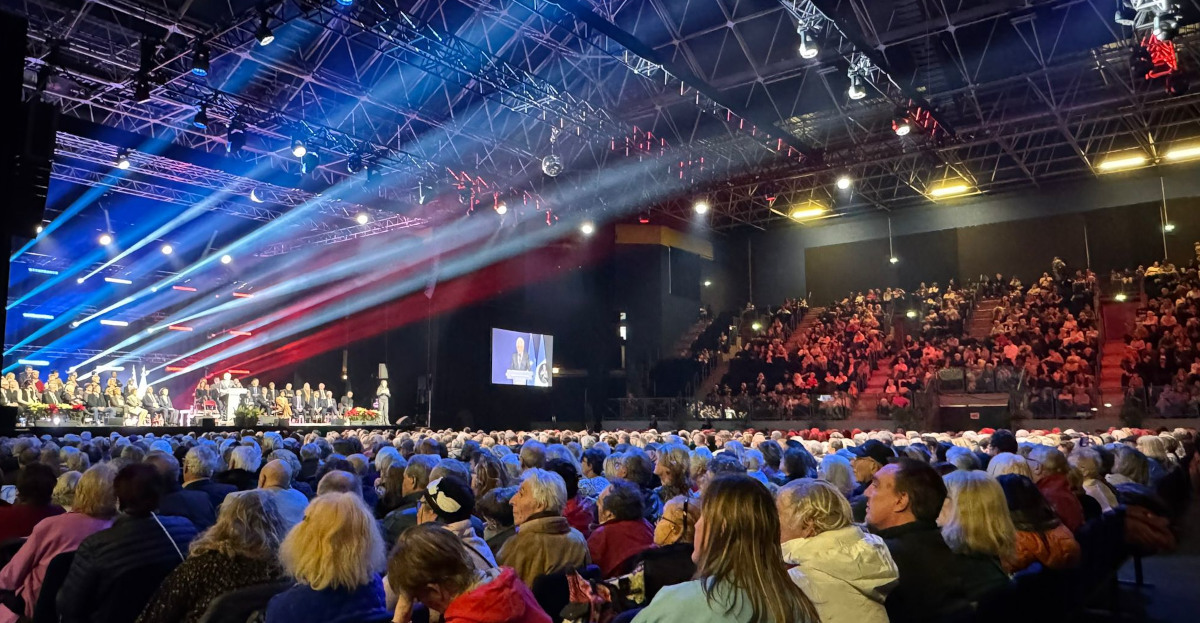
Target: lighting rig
point(1155, 24)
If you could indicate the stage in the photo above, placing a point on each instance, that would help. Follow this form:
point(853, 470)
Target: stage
point(159, 431)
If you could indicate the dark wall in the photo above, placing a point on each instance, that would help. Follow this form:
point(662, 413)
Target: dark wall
point(1112, 220)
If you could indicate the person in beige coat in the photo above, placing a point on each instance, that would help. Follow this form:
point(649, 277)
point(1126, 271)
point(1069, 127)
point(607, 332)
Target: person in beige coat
point(545, 542)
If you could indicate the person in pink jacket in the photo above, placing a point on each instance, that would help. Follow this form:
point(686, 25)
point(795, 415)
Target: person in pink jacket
point(94, 510)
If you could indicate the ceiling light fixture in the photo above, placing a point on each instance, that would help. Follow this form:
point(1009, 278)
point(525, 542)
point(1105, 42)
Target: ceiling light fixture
point(701, 206)
point(808, 45)
point(858, 87)
point(264, 34)
point(1121, 162)
point(950, 189)
point(200, 59)
point(123, 159)
point(1187, 152)
point(843, 182)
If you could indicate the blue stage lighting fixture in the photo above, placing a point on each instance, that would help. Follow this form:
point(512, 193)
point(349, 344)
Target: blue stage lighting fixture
point(264, 33)
point(200, 58)
point(43, 271)
point(298, 148)
point(33, 362)
point(105, 239)
point(235, 139)
point(33, 316)
point(346, 2)
point(201, 118)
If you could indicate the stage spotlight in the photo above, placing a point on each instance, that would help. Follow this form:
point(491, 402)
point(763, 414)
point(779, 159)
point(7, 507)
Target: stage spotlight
point(757, 326)
point(254, 196)
point(1169, 227)
point(1166, 25)
point(1108, 405)
point(1120, 297)
point(200, 58)
point(123, 159)
point(235, 139)
point(354, 163)
point(911, 313)
point(843, 182)
point(501, 208)
point(225, 259)
point(808, 45)
point(362, 218)
point(168, 249)
point(345, 377)
point(644, 218)
point(858, 87)
point(201, 118)
point(40, 229)
point(894, 260)
point(902, 125)
point(298, 149)
point(264, 34)
point(309, 162)
point(701, 206)
point(587, 228)
point(707, 283)
point(106, 239)
point(346, 2)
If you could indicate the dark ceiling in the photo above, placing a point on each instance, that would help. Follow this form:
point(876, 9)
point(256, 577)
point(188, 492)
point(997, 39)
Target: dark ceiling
point(685, 98)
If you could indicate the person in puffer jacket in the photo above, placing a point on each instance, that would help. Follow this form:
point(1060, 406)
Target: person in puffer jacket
point(1041, 536)
point(845, 571)
point(430, 566)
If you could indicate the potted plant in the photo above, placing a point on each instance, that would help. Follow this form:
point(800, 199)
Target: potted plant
point(247, 415)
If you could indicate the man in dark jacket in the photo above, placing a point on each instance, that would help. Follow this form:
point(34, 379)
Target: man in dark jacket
point(198, 467)
point(139, 545)
point(903, 503)
point(195, 506)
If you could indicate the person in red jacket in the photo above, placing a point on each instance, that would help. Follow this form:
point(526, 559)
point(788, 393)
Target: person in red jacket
point(1050, 470)
point(622, 533)
point(429, 565)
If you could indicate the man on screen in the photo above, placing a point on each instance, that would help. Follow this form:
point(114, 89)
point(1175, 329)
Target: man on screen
point(520, 359)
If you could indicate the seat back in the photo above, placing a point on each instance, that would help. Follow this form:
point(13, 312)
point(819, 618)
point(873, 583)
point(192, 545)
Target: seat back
point(130, 591)
point(46, 610)
point(239, 605)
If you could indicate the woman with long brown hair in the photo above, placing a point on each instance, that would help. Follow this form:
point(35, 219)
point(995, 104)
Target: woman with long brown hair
point(740, 574)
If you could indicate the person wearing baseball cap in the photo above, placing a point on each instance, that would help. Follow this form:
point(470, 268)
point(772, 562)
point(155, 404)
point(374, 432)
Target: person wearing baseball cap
point(450, 501)
point(869, 458)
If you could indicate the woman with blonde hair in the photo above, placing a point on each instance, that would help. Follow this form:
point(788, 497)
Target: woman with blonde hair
point(837, 470)
point(487, 473)
point(1088, 464)
point(429, 565)
point(740, 573)
point(64, 490)
point(241, 549)
point(335, 555)
point(673, 470)
point(1009, 463)
point(846, 571)
point(976, 525)
point(95, 506)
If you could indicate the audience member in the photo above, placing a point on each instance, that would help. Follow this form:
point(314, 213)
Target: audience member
point(430, 566)
point(976, 525)
point(199, 464)
point(846, 572)
point(94, 508)
point(450, 502)
point(35, 489)
point(96, 587)
point(335, 555)
point(241, 549)
point(545, 542)
point(1040, 536)
point(623, 531)
point(741, 575)
point(275, 480)
point(195, 506)
point(1050, 468)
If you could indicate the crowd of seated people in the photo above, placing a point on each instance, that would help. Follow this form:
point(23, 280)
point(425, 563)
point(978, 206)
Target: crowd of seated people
point(1160, 369)
point(504, 526)
point(824, 372)
point(1044, 338)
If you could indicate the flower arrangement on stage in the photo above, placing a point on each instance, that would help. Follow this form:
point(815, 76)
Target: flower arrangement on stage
point(360, 414)
point(247, 415)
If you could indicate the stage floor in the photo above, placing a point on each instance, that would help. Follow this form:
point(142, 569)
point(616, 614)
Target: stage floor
point(104, 431)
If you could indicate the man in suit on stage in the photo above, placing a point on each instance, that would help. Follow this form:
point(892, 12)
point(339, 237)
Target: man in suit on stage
point(96, 404)
point(520, 359)
point(257, 396)
point(170, 413)
point(346, 403)
point(327, 405)
point(150, 403)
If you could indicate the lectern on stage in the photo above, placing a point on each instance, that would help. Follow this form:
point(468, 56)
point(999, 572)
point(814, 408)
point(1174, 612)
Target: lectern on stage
point(519, 377)
point(233, 398)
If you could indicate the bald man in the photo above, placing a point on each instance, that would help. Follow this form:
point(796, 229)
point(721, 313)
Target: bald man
point(276, 478)
point(338, 481)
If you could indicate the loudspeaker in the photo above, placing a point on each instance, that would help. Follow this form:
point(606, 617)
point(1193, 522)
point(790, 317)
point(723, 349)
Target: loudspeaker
point(337, 421)
point(8, 421)
point(282, 422)
point(207, 423)
point(114, 421)
point(382, 372)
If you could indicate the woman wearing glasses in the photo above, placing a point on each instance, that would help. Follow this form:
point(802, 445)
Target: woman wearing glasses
point(671, 562)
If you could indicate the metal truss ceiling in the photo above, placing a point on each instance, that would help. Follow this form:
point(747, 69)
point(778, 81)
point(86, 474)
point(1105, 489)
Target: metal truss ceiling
point(1035, 92)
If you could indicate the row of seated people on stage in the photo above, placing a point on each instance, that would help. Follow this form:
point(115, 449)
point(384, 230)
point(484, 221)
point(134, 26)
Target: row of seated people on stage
point(304, 405)
point(822, 368)
point(1160, 367)
point(86, 402)
point(507, 527)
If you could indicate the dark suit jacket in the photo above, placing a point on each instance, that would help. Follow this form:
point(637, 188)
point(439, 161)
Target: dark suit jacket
point(240, 478)
point(520, 361)
point(345, 403)
point(257, 395)
point(195, 506)
point(216, 491)
point(150, 402)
